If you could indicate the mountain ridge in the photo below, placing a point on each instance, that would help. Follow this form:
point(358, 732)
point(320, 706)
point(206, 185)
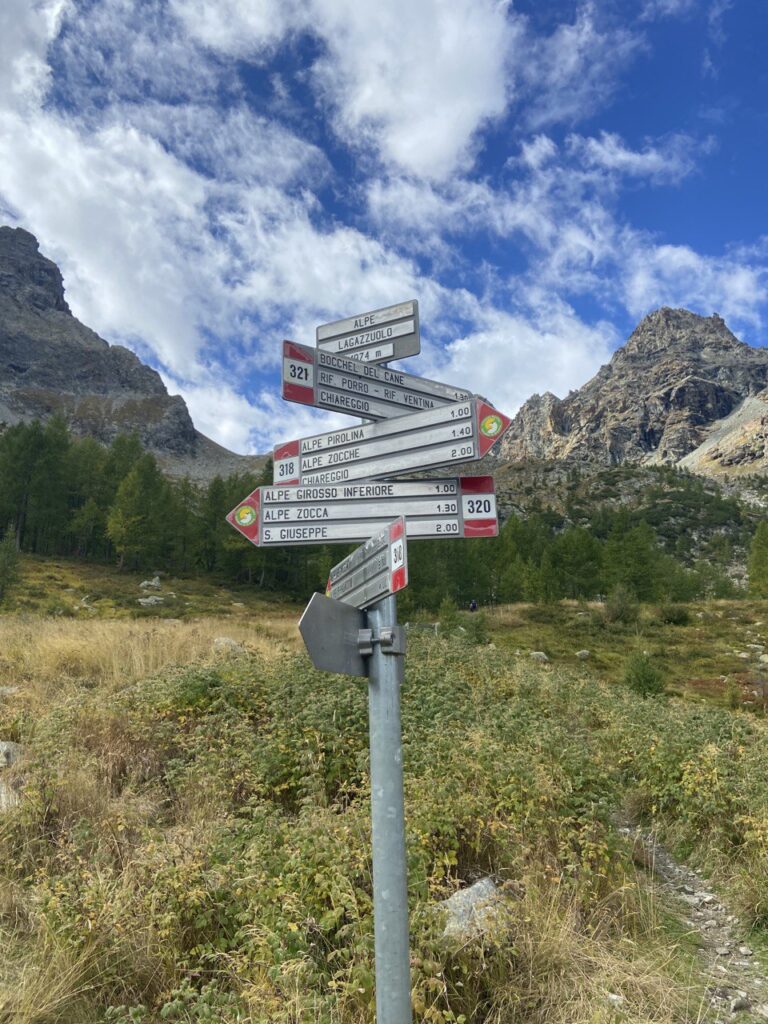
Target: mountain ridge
point(657, 400)
point(52, 363)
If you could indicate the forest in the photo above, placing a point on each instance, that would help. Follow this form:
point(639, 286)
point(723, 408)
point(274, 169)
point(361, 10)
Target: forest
point(71, 496)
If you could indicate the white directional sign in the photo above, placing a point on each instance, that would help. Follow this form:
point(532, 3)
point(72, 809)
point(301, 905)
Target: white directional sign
point(345, 513)
point(451, 434)
point(378, 568)
point(328, 381)
point(375, 337)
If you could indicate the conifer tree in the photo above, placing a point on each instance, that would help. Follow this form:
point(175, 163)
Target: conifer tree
point(757, 565)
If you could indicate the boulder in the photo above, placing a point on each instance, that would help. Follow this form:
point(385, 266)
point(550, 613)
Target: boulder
point(151, 601)
point(153, 584)
point(582, 655)
point(9, 753)
point(226, 645)
point(540, 656)
point(471, 912)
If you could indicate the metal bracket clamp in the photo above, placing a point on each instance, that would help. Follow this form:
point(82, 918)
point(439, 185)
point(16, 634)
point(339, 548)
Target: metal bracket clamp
point(391, 638)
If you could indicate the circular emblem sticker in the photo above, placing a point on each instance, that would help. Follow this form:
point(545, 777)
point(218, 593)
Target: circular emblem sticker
point(490, 425)
point(245, 515)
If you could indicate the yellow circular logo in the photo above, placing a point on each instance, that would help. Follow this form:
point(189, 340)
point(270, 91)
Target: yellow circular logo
point(245, 515)
point(491, 425)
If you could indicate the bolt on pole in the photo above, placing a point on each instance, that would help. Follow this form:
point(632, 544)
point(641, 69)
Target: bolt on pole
point(390, 878)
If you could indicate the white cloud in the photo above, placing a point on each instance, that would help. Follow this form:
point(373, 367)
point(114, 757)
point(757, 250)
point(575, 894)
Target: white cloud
point(668, 8)
point(415, 82)
point(571, 73)
point(26, 29)
point(669, 161)
point(237, 29)
point(233, 144)
point(509, 357)
point(735, 285)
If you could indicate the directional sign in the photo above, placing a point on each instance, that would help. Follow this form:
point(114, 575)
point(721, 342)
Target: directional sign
point(451, 434)
point(345, 513)
point(378, 568)
point(330, 631)
point(328, 381)
point(382, 334)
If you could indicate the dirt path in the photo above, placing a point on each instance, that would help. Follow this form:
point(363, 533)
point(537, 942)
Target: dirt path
point(737, 981)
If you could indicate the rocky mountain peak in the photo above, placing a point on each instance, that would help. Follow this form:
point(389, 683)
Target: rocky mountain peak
point(656, 400)
point(26, 276)
point(51, 363)
point(669, 333)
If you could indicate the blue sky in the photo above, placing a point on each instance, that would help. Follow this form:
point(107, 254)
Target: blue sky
point(213, 177)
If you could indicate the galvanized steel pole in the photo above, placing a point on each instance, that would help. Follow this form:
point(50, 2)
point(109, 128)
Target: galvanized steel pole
point(390, 878)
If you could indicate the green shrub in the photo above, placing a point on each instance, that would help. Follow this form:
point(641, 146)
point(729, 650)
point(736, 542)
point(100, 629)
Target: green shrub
point(448, 614)
point(674, 615)
point(9, 563)
point(475, 628)
point(642, 676)
point(621, 606)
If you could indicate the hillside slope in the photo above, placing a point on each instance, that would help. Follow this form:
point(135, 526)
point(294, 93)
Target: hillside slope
point(51, 363)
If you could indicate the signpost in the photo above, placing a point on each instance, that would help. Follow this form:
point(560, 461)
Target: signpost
point(344, 513)
point(342, 384)
point(460, 432)
point(378, 568)
point(377, 336)
point(328, 490)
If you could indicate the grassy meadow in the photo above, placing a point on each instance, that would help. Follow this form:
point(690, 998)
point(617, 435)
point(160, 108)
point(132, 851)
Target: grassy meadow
point(192, 837)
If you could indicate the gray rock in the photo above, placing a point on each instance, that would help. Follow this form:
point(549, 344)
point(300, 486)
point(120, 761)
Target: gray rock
point(723, 950)
point(9, 753)
point(8, 691)
point(540, 656)
point(744, 655)
point(761, 1010)
point(153, 584)
point(9, 797)
point(583, 655)
point(151, 601)
point(226, 645)
point(745, 951)
point(471, 912)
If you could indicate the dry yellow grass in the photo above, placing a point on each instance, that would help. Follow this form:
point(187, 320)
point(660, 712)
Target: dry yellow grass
point(44, 654)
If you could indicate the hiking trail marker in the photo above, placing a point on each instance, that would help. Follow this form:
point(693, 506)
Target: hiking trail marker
point(344, 513)
point(460, 432)
point(376, 336)
point(328, 489)
point(378, 568)
point(341, 383)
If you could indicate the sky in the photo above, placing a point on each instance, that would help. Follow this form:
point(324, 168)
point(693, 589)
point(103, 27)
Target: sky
point(213, 176)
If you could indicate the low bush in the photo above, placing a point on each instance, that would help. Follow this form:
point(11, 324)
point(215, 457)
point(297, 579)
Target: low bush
point(673, 615)
point(642, 675)
point(621, 606)
point(196, 844)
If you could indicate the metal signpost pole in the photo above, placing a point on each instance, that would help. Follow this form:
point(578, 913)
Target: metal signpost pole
point(390, 878)
point(327, 491)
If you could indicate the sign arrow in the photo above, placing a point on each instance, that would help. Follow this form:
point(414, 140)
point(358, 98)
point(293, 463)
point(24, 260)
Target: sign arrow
point(328, 381)
point(378, 568)
point(345, 513)
point(461, 432)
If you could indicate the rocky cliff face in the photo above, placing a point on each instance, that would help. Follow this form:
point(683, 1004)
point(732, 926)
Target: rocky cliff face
point(51, 363)
point(678, 378)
